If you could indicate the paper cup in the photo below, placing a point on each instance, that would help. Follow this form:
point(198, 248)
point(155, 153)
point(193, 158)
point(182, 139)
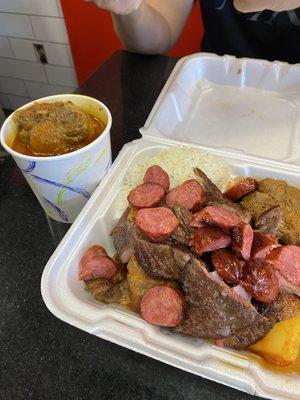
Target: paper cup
point(63, 184)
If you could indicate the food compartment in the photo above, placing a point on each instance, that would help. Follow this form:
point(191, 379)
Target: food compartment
point(241, 106)
point(65, 296)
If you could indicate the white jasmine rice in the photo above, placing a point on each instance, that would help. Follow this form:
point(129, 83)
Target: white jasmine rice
point(178, 162)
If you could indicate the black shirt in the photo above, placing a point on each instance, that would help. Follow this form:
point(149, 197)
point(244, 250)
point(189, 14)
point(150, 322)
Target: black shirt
point(266, 34)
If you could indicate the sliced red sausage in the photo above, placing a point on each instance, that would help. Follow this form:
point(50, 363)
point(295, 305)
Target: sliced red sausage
point(242, 188)
point(208, 238)
point(228, 265)
point(216, 215)
point(287, 260)
point(189, 194)
point(157, 223)
point(163, 306)
point(242, 238)
point(156, 174)
point(96, 264)
point(262, 244)
point(260, 280)
point(146, 195)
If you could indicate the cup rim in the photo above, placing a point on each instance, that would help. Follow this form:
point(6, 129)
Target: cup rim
point(61, 156)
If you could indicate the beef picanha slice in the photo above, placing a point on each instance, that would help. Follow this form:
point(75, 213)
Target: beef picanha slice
point(184, 232)
point(122, 237)
point(270, 221)
point(214, 196)
point(245, 337)
point(286, 306)
point(214, 310)
point(160, 260)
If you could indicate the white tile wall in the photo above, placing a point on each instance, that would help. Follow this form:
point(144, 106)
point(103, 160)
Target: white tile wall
point(18, 101)
point(22, 76)
point(22, 70)
point(50, 29)
point(5, 101)
point(70, 56)
point(57, 54)
point(12, 86)
point(23, 49)
point(5, 49)
point(60, 9)
point(37, 89)
point(61, 75)
point(32, 7)
point(15, 25)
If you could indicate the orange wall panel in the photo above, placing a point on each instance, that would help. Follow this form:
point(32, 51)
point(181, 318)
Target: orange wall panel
point(93, 40)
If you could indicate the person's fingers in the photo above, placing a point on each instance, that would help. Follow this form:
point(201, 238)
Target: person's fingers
point(260, 5)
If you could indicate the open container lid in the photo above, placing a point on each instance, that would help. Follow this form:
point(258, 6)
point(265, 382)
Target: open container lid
point(236, 106)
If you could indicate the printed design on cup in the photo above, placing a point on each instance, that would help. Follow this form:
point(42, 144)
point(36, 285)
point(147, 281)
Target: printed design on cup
point(31, 166)
point(80, 191)
point(50, 205)
point(70, 176)
point(56, 209)
point(102, 154)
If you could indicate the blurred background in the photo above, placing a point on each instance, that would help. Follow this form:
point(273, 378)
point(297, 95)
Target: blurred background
point(50, 47)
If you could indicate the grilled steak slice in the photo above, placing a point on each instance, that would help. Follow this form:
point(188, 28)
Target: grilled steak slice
point(286, 306)
point(160, 260)
point(270, 221)
point(185, 217)
point(245, 337)
point(181, 236)
point(184, 232)
point(214, 196)
point(122, 237)
point(214, 310)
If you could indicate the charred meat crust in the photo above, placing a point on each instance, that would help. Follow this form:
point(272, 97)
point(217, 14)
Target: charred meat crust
point(286, 306)
point(122, 237)
point(160, 260)
point(245, 337)
point(214, 310)
point(214, 197)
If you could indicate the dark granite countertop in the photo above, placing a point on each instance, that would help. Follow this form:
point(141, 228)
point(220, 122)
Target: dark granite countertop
point(42, 357)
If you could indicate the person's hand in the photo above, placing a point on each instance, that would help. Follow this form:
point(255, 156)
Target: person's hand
point(260, 5)
point(120, 7)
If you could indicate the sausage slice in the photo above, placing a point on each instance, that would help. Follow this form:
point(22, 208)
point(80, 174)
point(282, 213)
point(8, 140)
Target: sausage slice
point(155, 174)
point(189, 194)
point(157, 223)
point(146, 195)
point(163, 306)
point(96, 264)
point(208, 238)
point(242, 188)
point(287, 260)
point(262, 244)
point(242, 238)
point(216, 215)
point(260, 280)
point(228, 265)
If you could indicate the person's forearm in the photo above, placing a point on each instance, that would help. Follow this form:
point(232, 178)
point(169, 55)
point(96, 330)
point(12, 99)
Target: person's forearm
point(144, 31)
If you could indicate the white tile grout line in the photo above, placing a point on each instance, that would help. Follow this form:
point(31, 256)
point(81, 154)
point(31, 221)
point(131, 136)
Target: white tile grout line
point(33, 15)
point(11, 47)
point(36, 62)
point(30, 40)
point(31, 24)
point(42, 83)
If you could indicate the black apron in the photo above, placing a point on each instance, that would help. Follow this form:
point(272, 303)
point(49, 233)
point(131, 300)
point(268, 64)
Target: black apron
point(265, 35)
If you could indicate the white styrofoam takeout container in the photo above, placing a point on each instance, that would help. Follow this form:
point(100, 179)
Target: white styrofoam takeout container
point(246, 111)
